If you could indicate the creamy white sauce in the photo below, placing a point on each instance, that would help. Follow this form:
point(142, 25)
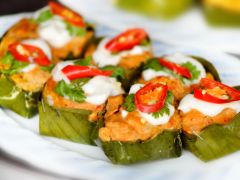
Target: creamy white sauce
point(148, 116)
point(179, 59)
point(189, 102)
point(158, 121)
point(40, 44)
point(57, 73)
point(28, 68)
point(134, 88)
point(149, 74)
point(102, 57)
point(54, 32)
point(99, 88)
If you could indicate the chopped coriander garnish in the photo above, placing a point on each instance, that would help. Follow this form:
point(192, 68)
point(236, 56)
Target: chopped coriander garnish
point(84, 62)
point(193, 70)
point(44, 16)
point(129, 103)
point(118, 72)
point(74, 30)
point(165, 109)
point(14, 65)
point(73, 91)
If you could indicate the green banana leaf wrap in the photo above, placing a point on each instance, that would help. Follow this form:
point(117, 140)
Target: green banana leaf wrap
point(209, 67)
point(167, 9)
point(165, 145)
point(215, 140)
point(22, 102)
point(221, 17)
point(69, 124)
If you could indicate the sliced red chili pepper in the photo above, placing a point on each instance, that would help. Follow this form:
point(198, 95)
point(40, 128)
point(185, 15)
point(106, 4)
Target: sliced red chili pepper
point(126, 40)
point(28, 53)
point(151, 97)
point(76, 71)
point(67, 14)
point(206, 83)
point(176, 68)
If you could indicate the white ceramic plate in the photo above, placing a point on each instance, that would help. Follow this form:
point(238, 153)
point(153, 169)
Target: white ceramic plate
point(19, 137)
point(190, 29)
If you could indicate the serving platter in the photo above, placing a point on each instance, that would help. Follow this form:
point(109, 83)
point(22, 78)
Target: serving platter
point(192, 29)
point(19, 138)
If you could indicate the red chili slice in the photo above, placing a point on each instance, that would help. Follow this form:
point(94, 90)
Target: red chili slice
point(76, 71)
point(126, 40)
point(67, 14)
point(151, 97)
point(176, 68)
point(28, 53)
point(206, 83)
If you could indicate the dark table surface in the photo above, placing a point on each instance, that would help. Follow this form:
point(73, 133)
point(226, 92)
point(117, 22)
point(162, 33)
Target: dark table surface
point(17, 6)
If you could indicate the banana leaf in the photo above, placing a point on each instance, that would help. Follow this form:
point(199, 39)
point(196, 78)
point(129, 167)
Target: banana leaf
point(220, 17)
point(68, 124)
point(22, 102)
point(214, 141)
point(167, 9)
point(166, 145)
point(209, 67)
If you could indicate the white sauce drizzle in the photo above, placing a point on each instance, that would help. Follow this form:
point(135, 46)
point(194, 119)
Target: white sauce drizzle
point(57, 73)
point(102, 57)
point(99, 88)
point(189, 102)
point(54, 32)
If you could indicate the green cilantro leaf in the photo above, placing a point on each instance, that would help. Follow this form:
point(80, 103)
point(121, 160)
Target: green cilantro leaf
point(84, 62)
point(153, 64)
point(165, 109)
point(14, 65)
point(48, 68)
point(193, 70)
point(118, 72)
point(44, 16)
point(74, 30)
point(145, 42)
point(129, 103)
point(73, 91)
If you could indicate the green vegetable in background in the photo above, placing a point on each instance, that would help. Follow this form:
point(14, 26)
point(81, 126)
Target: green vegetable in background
point(22, 102)
point(166, 9)
point(220, 17)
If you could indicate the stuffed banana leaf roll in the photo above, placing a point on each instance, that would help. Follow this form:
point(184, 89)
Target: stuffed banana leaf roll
point(65, 30)
point(74, 101)
point(143, 127)
point(210, 120)
point(124, 54)
point(180, 72)
point(24, 69)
